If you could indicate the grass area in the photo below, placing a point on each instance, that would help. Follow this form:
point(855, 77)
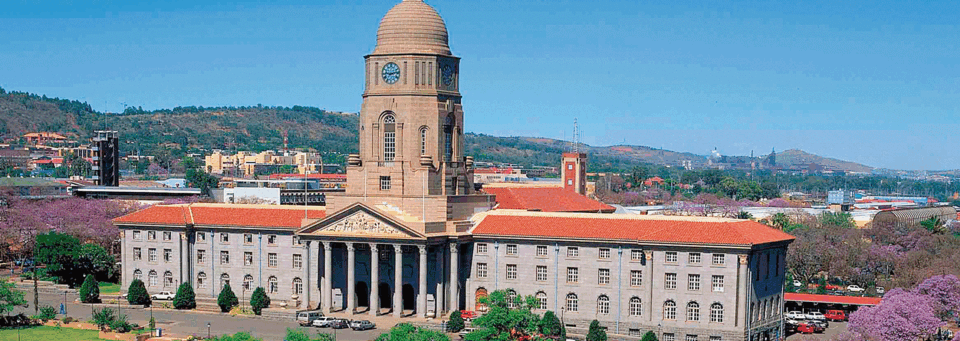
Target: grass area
point(107, 288)
point(49, 334)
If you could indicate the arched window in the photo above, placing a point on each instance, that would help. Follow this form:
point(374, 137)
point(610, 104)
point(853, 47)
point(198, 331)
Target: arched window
point(669, 310)
point(693, 311)
point(423, 141)
point(572, 302)
point(389, 137)
point(167, 279)
point(511, 299)
point(716, 313)
point(224, 280)
point(201, 280)
point(137, 274)
point(247, 282)
point(153, 278)
point(272, 285)
point(636, 308)
point(448, 139)
point(603, 305)
point(542, 300)
point(298, 286)
point(480, 294)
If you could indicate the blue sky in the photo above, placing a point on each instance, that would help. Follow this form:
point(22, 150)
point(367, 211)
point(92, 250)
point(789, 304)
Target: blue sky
point(876, 82)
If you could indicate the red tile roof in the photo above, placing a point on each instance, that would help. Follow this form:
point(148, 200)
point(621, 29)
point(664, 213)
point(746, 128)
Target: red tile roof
point(546, 199)
point(624, 227)
point(309, 176)
point(222, 215)
point(831, 299)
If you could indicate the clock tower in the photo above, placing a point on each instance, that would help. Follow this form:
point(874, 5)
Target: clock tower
point(411, 125)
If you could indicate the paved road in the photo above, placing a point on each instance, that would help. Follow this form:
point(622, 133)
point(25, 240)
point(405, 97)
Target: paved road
point(831, 331)
point(193, 322)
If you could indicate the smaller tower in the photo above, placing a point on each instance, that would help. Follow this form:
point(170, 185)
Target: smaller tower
point(106, 158)
point(574, 172)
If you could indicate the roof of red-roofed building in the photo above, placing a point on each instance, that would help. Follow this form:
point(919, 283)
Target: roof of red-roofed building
point(546, 199)
point(309, 176)
point(223, 215)
point(627, 227)
point(831, 299)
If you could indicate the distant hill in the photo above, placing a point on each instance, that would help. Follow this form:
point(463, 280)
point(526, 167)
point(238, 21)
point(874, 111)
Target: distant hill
point(257, 128)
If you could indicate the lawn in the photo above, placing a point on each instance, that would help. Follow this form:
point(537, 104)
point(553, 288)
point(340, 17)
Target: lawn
point(107, 288)
point(49, 334)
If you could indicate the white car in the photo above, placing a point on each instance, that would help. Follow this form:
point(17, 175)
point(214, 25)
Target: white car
point(163, 295)
point(815, 315)
point(795, 315)
point(797, 283)
point(792, 321)
point(880, 291)
point(854, 288)
point(324, 322)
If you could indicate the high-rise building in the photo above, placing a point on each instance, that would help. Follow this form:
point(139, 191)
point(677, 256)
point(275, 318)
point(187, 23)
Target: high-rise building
point(106, 158)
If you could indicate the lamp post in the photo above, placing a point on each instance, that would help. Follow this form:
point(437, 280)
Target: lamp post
point(64, 310)
point(243, 295)
point(659, 334)
point(208, 330)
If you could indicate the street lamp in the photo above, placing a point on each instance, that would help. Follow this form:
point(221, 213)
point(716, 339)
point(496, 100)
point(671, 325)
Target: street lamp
point(63, 308)
point(659, 334)
point(208, 330)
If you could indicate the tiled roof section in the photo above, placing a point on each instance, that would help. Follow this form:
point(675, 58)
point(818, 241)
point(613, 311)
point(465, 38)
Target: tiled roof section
point(832, 299)
point(546, 199)
point(223, 215)
point(627, 227)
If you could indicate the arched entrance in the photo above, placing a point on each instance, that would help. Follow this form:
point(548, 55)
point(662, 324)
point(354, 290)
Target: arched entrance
point(481, 293)
point(386, 295)
point(409, 297)
point(363, 294)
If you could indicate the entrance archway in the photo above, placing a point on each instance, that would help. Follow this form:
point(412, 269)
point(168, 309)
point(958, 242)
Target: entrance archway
point(409, 297)
point(481, 293)
point(386, 295)
point(363, 294)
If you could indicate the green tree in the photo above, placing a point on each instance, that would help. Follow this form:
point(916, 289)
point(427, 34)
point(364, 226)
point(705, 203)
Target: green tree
point(456, 322)
point(197, 178)
point(744, 215)
point(649, 336)
point(94, 259)
point(934, 225)
point(838, 219)
point(596, 333)
point(10, 297)
point(227, 299)
point(301, 335)
point(508, 316)
point(550, 324)
point(185, 298)
point(90, 290)
point(780, 220)
point(407, 332)
point(137, 293)
point(241, 336)
point(59, 252)
point(103, 317)
point(47, 313)
point(259, 300)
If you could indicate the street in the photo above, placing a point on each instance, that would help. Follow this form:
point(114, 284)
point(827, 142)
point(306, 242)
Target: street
point(831, 331)
point(183, 323)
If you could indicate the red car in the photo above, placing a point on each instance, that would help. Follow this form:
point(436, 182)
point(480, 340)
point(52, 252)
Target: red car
point(467, 314)
point(806, 328)
point(836, 315)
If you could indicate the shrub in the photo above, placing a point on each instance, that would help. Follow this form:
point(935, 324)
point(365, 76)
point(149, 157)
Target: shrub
point(47, 313)
point(259, 300)
point(596, 333)
point(90, 290)
point(186, 298)
point(152, 324)
point(227, 299)
point(137, 293)
point(241, 336)
point(649, 336)
point(120, 324)
point(456, 322)
point(103, 317)
point(550, 324)
point(67, 320)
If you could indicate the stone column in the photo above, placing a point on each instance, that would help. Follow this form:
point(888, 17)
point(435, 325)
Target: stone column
point(742, 297)
point(327, 277)
point(422, 294)
point(454, 278)
point(650, 280)
point(374, 280)
point(441, 293)
point(351, 280)
point(398, 280)
point(306, 272)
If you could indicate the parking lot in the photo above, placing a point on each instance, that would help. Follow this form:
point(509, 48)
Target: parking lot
point(832, 330)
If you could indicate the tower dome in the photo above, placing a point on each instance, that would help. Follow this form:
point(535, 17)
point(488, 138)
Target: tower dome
point(412, 26)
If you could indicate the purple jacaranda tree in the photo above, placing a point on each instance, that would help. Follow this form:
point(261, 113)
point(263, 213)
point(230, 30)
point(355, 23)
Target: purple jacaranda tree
point(901, 315)
point(778, 203)
point(944, 294)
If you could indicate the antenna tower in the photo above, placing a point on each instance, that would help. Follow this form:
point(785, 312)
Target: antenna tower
point(576, 136)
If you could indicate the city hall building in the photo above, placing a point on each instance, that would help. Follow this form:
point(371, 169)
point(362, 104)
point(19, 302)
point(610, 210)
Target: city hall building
point(413, 237)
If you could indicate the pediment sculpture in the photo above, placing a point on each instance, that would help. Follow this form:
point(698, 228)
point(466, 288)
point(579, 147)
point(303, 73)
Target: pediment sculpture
point(362, 223)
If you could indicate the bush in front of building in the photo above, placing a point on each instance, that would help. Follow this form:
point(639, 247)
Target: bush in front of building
point(456, 322)
point(550, 324)
point(137, 293)
point(596, 333)
point(649, 336)
point(90, 290)
point(185, 298)
point(227, 299)
point(259, 300)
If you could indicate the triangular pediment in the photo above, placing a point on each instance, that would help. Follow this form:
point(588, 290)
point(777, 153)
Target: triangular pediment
point(360, 220)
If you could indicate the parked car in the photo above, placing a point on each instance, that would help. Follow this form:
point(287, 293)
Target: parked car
point(797, 283)
point(806, 328)
point(796, 315)
point(880, 291)
point(819, 325)
point(792, 321)
point(163, 295)
point(323, 322)
point(340, 324)
point(854, 288)
point(836, 315)
point(362, 325)
point(464, 332)
point(814, 315)
point(306, 318)
point(468, 314)
point(833, 287)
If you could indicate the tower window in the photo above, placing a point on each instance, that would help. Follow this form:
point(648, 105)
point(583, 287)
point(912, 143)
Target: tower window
point(385, 183)
point(423, 141)
point(448, 139)
point(389, 138)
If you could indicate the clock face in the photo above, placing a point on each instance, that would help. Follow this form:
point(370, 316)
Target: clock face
point(447, 74)
point(391, 73)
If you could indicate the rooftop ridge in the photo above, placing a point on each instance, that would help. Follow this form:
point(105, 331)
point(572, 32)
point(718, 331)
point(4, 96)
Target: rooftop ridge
point(615, 216)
